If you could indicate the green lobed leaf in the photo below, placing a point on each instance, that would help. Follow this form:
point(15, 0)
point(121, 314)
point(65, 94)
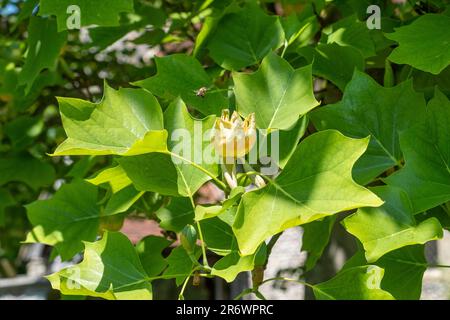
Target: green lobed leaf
point(153, 172)
point(229, 216)
point(243, 38)
point(150, 250)
point(316, 236)
point(23, 97)
point(231, 265)
point(351, 32)
point(423, 44)
point(103, 37)
point(286, 142)
point(426, 174)
point(44, 46)
point(315, 183)
point(370, 109)
point(442, 213)
point(27, 9)
point(182, 171)
point(111, 269)
point(276, 93)
point(125, 122)
point(68, 218)
point(193, 145)
point(114, 176)
point(210, 25)
point(122, 200)
point(218, 236)
point(82, 167)
point(295, 25)
point(334, 62)
point(206, 212)
point(180, 264)
point(390, 226)
point(176, 214)
point(180, 75)
point(112, 222)
point(99, 12)
point(426, 82)
point(403, 270)
point(26, 169)
point(301, 28)
point(6, 200)
point(23, 130)
point(357, 283)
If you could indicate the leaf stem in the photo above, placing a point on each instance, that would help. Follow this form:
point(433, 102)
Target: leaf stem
point(259, 295)
point(200, 233)
point(286, 44)
point(181, 295)
point(438, 266)
point(290, 280)
point(163, 277)
point(243, 293)
point(300, 282)
point(205, 259)
point(252, 173)
point(445, 207)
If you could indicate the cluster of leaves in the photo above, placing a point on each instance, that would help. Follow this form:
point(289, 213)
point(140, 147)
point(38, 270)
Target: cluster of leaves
point(53, 63)
point(363, 118)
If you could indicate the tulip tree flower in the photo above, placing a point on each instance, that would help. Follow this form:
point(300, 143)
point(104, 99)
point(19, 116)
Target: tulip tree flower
point(233, 138)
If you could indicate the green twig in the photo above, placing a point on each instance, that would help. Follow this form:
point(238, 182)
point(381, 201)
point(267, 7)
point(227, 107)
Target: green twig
point(438, 266)
point(243, 293)
point(181, 295)
point(286, 45)
point(257, 292)
point(200, 234)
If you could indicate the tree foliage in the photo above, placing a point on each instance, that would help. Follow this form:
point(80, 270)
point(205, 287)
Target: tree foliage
point(362, 116)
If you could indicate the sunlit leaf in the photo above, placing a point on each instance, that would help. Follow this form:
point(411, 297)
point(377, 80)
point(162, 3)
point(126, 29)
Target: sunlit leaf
point(357, 283)
point(276, 93)
point(68, 218)
point(125, 122)
point(111, 269)
point(390, 226)
point(315, 183)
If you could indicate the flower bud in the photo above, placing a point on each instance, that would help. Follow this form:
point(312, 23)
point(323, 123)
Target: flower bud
point(231, 180)
point(188, 238)
point(234, 137)
point(259, 181)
